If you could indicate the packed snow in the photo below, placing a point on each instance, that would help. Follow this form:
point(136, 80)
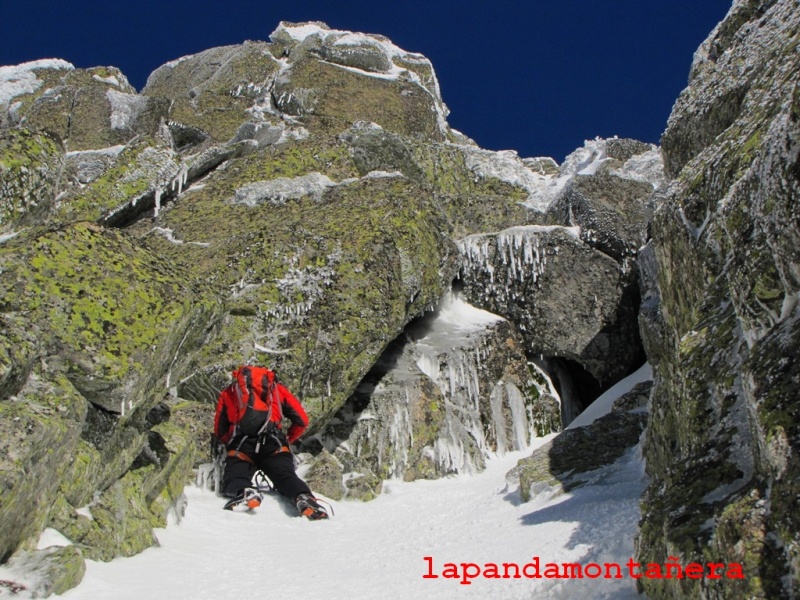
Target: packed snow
point(377, 549)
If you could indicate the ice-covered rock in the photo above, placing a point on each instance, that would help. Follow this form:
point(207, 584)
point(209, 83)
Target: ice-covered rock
point(567, 299)
point(608, 194)
point(453, 390)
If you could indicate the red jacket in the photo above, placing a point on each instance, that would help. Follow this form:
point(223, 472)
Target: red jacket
point(290, 408)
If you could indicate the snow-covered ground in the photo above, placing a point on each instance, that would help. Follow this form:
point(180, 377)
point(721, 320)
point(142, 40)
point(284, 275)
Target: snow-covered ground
point(377, 549)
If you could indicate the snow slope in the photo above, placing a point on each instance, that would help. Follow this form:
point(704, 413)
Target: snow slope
point(376, 550)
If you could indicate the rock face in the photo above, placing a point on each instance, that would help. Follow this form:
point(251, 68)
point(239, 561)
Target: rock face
point(303, 203)
point(723, 442)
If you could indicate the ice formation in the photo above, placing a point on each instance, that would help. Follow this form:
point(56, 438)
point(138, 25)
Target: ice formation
point(518, 249)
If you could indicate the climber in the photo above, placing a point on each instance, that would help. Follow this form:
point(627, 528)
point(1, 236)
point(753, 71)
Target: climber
point(248, 420)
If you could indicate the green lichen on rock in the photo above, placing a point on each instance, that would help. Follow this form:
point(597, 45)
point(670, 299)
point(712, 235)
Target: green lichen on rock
point(89, 108)
point(30, 166)
point(104, 302)
point(50, 571)
point(40, 426)
point(722, 445)
point(325, 279)
point(325, 476)
point(472, 204)
point(214, 90)
point(328, 98)
point(136, 175)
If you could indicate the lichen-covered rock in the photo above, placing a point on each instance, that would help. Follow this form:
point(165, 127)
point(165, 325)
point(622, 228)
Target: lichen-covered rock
point(566, 461)
point(47, 572)
point(317, 264)
point(474, 199)
point(325, 476)
point(109, 324)
point(723, 447)
point(83, 108)
point(40, 425)
point(109, 309)
point(30, 166)
point(216, 91)
point(567, 299)
point(21, 85)
point(332, 79)
point(137, 177)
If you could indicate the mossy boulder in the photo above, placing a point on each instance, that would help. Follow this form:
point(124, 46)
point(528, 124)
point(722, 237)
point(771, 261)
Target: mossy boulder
point(108, 309)
point(473, 202)
point(323, 277)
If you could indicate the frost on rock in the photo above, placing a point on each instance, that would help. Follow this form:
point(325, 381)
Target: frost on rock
point(299, 291)
point(508, 167)
point(281, 190)
point(125, 108)
point(647, 167)
point(21, 79)
point(368, 55)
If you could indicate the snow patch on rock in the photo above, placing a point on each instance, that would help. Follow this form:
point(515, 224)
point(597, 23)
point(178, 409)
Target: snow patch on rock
point(125, 108)
point(21, 79)
point(279, 191)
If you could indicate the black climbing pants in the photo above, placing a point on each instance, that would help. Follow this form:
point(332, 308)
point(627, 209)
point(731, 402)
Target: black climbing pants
point(279, 467)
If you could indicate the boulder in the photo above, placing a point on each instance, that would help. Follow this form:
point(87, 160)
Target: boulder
point(43, 573)
point(568, 299)
point(213, 93)
point(567, 461)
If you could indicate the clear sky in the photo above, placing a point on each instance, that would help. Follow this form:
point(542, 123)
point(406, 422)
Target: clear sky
point(536, 76)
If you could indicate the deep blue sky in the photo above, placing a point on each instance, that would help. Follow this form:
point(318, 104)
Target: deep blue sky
point(536, 76)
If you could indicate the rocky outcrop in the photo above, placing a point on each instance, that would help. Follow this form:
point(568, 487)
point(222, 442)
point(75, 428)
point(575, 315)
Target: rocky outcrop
point(295, 202)
point(93, 325)
point(83, 108)
point(723, 443)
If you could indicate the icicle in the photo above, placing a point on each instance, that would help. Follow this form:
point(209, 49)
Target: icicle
point(158, 201)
